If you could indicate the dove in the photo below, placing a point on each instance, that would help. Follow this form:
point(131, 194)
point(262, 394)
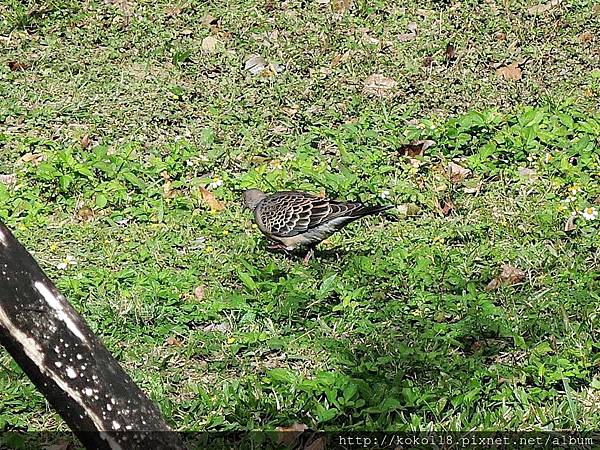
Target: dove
point(293, 219)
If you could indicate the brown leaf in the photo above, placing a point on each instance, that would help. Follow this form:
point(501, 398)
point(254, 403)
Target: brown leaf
point(427, 61)
point(570, 224)
point(543, 8)
point(341, 6)
point(173, 341)
point(210, 44)
point(450, 52)
point(584, 37)
point(85, 142)
point(33, 158)
point(415, 148)
point(8, 180)
point(173, 10)
point(210, 200)
point(85, 214)
point(510, 72)
point(208, 20)
point(457, 173)
point(168, 191)
point(340, 58)
point(287, 435)
point(17, 65)
point(500, 36)
point(510, 275)
point(446, 206)
point(199, 292)
point(596, 9)
point(405, 37)
point(380, 85)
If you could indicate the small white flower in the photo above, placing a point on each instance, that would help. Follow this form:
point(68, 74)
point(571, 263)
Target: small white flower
point(385, 194)
point(574, 213)
point(590, 213)
point(216, 182)
point(65, 263)
point(548, 158)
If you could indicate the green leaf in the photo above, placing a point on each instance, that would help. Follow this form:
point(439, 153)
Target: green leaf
point(101, 201)
point(133, 180)
point(247, 280)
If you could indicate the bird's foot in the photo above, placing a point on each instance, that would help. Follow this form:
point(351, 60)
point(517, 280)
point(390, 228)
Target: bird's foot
point(309, 255)
point(277, 246)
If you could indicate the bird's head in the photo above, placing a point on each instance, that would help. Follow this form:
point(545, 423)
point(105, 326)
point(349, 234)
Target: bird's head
point(252, 197)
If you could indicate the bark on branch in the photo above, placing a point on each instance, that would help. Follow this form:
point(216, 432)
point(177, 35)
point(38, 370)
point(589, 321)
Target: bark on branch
point(68, 363)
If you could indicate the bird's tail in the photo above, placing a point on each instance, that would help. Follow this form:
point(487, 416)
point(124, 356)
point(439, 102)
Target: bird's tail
point(366, 210)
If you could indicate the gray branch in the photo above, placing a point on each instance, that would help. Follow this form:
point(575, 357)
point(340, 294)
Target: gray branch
point(68, 363)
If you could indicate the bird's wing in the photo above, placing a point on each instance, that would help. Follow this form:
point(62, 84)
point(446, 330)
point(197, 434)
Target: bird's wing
point(288, 214)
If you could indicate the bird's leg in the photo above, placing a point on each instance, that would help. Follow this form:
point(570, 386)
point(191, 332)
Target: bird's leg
point(309, 254)
point(277, 246)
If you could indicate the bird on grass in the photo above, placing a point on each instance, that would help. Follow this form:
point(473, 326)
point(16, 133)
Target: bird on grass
point(294, 219)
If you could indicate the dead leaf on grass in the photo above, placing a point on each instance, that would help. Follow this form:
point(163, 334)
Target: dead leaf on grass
point(380, 85)
point(570, 224)
point(457, 173)
point(199, 292)
point(173, 341)
point(416, 148)
point(85, 142)
point(8, 180)
point(17, 65)
point(543, 8)
point(510, 72)
point(527, 174)
point(584, 37)
point(510, 275)
point(211, 200)
point(408, 210)
point(446, 206)
point(341, 6)
point(340, 58)
point(211, 44)
point(33, 158)
point(85, 214)
point(287, 435)
point(208, 20)
point(172, 10)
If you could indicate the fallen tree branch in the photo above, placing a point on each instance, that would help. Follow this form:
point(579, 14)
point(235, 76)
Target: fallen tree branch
point(68, 364)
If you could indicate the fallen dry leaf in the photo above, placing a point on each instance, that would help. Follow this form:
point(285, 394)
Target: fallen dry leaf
point(446, 206)
point(543, 8)
point(199, 292)
point(210, 200)
point(510, 275)
point(85, 142)
point(173, 341)
point(408, 210)
point(210, 44)
point(379, 85)
point(570, 224)
point(85, 214)
point(208, 20)
point(500, 36)
point(8, 180)
point(457, 173)
point(427, 61)
point(596, 9)
point(33, 158)
point(340, 58)
point(172, 10)
point(510, 72)
point(415, 148)
point(287, 435)
point(17, 65)
point(450, 52)
point(584, 37)
point(405, 37)
point(341, 6)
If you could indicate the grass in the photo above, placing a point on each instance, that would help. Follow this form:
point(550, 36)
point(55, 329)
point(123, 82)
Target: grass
point(391, 325)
